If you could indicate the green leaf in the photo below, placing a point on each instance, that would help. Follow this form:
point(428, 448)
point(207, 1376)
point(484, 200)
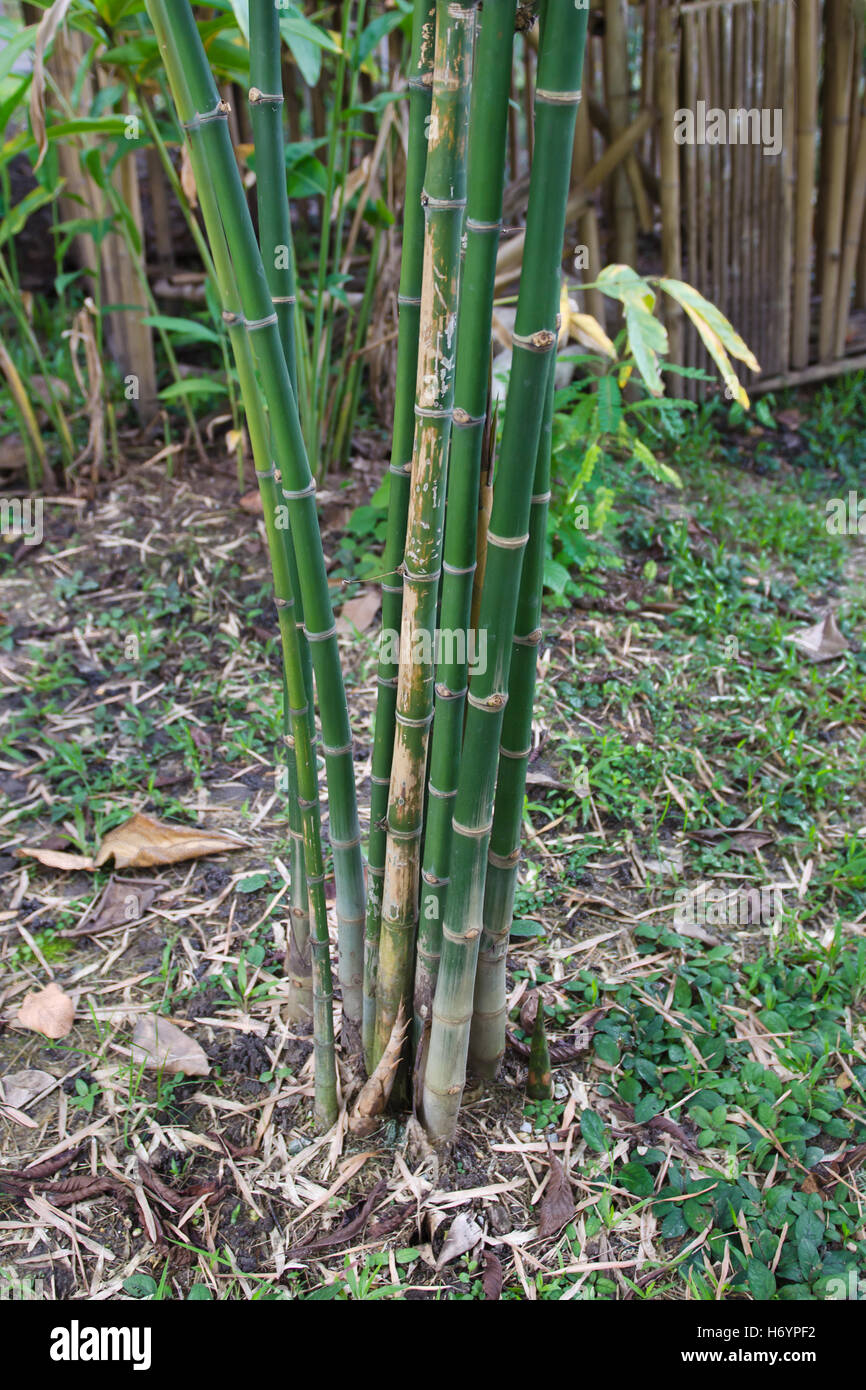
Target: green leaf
point(15, 219)
point(609, 404)
point(697, 1216)
point(556, 576)
point(192, 386)
point(592, 1129)
point(647, 1107)
point(253, 883)
point(636, 1178)
point(761, 1280)
point(199, 1293)
point(192, 330)
point(606, 1048)
point(140, 1286)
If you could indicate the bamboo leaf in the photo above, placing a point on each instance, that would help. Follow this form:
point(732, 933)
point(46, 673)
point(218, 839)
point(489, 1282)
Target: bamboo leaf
point(686, 295)
point(195, 332)
point(645, 344)
point(609, 405)
point(715, 347)
point(662, 472)
point(15, 219)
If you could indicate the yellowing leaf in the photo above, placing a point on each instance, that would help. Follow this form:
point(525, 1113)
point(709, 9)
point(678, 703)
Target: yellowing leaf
point(716, 348)
point(687, 296)
point(587, 331)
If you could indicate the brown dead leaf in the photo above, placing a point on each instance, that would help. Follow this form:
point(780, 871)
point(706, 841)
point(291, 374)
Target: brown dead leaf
point(142, 842)
point(557, 1204)
point(373, 1096)
point(158, 1043)
point(357, 614)
point(741, 841)
point(252, 502)
point(125, 900)
point(822, 642)
point(464, 1233)
point(56, 858)
point(49, 1011)
point(491, 1280)
point(20, 1087)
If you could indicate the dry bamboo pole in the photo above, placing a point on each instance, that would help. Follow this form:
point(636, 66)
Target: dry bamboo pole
point(770, 194)
point(715, 157)
point(650, 94)
point(667, 61)
point(807, 117)
point(726, 98)
point(688, 59)
point(839, 34)
point(587, 222)
point(851, 238)
point(736, 239)
point(754, 257)
point(704, 215)
point(617, 89)
point(819, 371)
point(786, 174)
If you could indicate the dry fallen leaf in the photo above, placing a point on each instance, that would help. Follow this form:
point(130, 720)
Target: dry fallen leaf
point(463, 1235)
point(252, 502)
point(822, 642)
point(357, 614)
point(743, 841)
point(20, 1087)
point(124, 901)
point(160, 1044)
point(55, 858)
point(557, 1204)
point(142, 842)
point(49, 1012)
point(491, 1280)
point(373, 1096)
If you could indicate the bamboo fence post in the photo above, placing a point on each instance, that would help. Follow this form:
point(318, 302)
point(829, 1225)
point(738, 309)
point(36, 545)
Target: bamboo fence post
point(617, 89)
point(851, 238)
point(839, 33)
point(667, 85)
point(807, 37)
point(587, 222)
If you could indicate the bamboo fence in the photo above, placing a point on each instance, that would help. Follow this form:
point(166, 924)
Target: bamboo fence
point(746, 178)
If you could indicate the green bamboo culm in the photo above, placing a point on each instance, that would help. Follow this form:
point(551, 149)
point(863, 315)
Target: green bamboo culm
point(444, 203)
point(420, 85)
point(487, 1038)
point(488, 128)
point(295, 693)
point(208, 131)
point(275, 241)
point(556, 98)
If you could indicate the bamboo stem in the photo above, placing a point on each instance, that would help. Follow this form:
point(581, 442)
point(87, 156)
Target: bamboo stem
point(205, 121)
point(445, 201)
point(556, 98)
point(409, 302)
point(487, 132)
point(487, 1037)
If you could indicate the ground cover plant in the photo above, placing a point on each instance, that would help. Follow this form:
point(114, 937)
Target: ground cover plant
point(628, 1065)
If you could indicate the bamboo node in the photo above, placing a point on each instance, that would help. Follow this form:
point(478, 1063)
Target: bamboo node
point(531, 639)
point(554, 98)
point(507, 542)
point(444, 693)
point(463, 419)
point(256, 97)
point(540, 341)
point(514, 753)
